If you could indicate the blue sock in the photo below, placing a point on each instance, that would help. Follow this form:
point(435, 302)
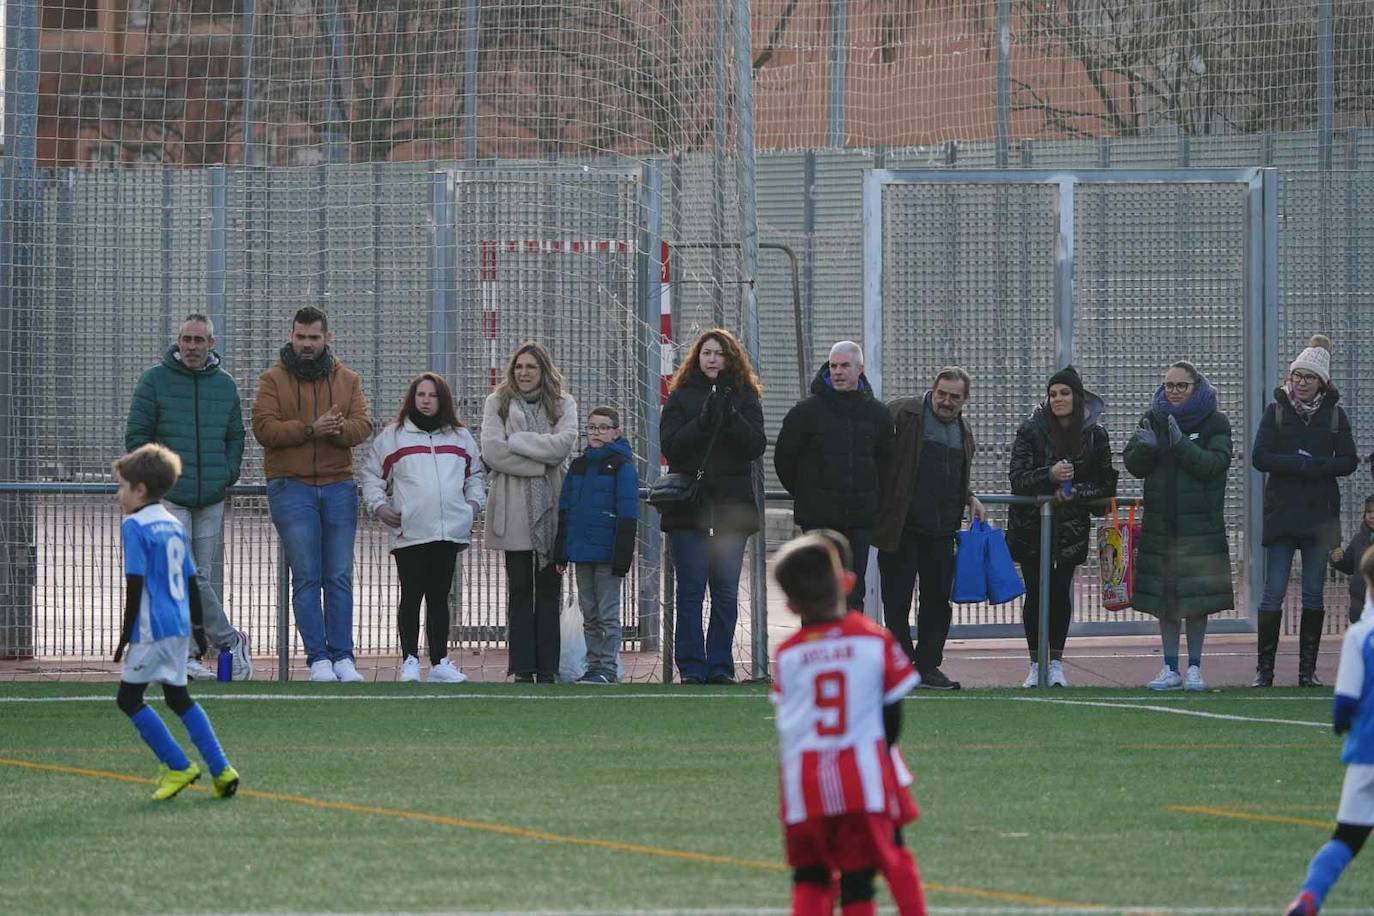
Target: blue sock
point(1171, 661)
point(203, 736)
point(1326, 868)
point(155, 734)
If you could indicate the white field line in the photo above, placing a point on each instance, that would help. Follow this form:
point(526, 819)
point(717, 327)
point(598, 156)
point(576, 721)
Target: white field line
point(1146, 701)
point(1152, 707)
point(781, 911)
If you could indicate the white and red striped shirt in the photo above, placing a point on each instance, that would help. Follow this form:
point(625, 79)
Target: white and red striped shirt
point(432, 479)
point(831, 683)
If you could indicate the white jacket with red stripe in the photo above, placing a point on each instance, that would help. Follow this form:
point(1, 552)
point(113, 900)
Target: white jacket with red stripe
point(432, 479)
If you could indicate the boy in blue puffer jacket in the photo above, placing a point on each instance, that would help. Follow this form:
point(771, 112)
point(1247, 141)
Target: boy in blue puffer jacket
point(598, 513)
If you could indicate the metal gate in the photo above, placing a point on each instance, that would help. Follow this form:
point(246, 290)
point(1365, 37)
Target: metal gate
point(1013, 274)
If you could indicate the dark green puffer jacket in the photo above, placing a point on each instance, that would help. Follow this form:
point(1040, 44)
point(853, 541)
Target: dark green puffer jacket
point(196, 414)
point(1183, 568)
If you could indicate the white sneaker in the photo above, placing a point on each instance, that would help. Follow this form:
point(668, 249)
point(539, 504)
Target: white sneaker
point(446, 672)
point(1057, 678)
point(323, 672)
point(1192, 680)
point(410, 670)
point(198, 672)
point(243, 661)
point(347, 672)
point(1032, 679)
point(1166, 679)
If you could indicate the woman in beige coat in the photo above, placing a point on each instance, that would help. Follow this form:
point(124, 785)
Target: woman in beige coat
point(529, 428)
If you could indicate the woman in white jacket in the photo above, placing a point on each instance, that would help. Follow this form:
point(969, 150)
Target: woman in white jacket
point(423, 479)
point(529, 428)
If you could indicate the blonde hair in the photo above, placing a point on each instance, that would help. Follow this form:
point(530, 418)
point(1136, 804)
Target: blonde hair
point(550, 381)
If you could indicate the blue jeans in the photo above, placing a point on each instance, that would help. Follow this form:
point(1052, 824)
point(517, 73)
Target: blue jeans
point(701, 561)
point(1278, 565)
point(316, 527)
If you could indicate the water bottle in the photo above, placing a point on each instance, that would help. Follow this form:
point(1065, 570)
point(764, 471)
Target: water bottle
point(226, 665)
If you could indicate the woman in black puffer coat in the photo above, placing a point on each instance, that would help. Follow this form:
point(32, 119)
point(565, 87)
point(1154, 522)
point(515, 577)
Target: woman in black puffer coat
point(1304, 445)
point(714, 391)
point(1062, 450)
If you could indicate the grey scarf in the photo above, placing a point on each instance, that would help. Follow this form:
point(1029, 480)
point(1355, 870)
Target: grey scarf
point(542, 505)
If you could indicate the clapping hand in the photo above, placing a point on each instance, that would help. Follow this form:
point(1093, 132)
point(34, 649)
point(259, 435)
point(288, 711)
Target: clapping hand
point(1146, 435)
point(1175, 434)
point(329, 423)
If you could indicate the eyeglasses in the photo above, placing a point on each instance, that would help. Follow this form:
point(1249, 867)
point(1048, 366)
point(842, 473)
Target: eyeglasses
point(1177, 386)
point(599, 428)
point(1305, 377)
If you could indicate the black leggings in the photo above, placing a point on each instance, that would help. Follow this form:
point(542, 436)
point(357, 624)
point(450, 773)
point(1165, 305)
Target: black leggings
point(426, 571)
point(130, 698)
point(1061, 606)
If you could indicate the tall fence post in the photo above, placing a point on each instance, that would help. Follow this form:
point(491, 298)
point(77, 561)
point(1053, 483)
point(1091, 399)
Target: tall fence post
point(440, 270)
point(18, 251)
point(1042, 653)
point(839, 60)
point(1003, 82)
point(216, 257)
point(470, 62)
point(1063, 277)
point(1326, 88)
point(283, 616)
point(250, 32)
point(650, 346)
point(749, 264)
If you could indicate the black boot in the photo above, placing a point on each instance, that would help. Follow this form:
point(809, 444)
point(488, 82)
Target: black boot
point(1309, 641)
point(1268, 640)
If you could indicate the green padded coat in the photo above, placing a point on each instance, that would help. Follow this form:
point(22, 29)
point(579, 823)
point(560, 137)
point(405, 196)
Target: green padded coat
point(1183, 568)
point(197, 415)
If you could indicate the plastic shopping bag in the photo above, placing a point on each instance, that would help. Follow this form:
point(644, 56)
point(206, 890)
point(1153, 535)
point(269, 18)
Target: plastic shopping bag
point(1003, 581)
point(970, 562)
point(572, 642)
point(1117, 545)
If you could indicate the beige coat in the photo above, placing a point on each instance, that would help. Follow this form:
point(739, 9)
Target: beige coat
point(513, 455)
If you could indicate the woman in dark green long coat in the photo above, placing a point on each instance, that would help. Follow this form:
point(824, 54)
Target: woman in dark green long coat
point(1182, 450)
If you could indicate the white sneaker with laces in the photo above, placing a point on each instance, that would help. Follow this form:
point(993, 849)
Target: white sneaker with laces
point(243, 661)
point(198, 672)
point(410, 670)
point(1192, 680)
point(1166, 679)
point(1057, 678)
point(347, 672)
point(446, 672)
point(322, 672)
point(1032, 679)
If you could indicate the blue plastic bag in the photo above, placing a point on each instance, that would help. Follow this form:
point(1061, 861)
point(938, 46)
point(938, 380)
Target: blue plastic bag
point(1003, 581)
point(970, 565)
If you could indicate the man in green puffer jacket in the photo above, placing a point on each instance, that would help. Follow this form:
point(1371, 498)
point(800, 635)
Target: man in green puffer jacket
point(189, 404)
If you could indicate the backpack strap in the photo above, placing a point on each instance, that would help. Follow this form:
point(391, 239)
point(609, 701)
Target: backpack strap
point(1335, 420)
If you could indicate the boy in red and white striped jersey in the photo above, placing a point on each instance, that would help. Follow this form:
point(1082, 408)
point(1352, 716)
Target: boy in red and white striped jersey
point(838, 689)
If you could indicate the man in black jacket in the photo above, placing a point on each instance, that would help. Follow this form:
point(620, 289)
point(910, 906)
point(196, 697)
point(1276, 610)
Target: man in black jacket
point(926, 487)
point(828, 453)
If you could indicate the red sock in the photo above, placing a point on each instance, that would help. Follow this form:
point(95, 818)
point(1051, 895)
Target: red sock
point(904, 880)
point(810, 899)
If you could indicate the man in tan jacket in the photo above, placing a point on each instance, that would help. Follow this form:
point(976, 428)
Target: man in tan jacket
point(309, 412)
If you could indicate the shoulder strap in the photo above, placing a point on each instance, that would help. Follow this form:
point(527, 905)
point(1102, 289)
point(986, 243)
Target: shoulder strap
point(1335, 419)
point(1278, 415)
point(710, 446)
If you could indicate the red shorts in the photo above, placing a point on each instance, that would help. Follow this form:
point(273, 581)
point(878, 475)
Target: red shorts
point(845, 842)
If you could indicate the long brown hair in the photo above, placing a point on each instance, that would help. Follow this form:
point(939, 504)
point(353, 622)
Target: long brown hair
point(448, 416)
point(738, 370)
point(550, 381)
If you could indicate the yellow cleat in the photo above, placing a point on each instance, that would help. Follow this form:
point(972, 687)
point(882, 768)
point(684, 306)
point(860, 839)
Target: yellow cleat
point(226, 783)
point(170, 782)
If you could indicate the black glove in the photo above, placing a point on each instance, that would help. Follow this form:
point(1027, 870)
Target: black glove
point(714, 409)
point(198, 634)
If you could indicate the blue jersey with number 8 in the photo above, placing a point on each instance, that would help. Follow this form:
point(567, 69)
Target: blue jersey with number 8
point(155, 548)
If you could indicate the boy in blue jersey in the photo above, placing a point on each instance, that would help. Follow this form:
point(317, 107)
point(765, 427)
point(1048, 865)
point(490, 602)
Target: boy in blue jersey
point(1352, 713)
point(162, 613)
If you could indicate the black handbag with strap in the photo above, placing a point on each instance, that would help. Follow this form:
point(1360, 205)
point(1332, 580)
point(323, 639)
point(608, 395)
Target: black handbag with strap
point(676, 490)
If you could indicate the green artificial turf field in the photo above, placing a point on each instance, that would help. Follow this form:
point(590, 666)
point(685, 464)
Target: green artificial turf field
point(385, 798)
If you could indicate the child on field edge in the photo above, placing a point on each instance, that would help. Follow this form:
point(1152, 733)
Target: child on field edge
point(598, 514)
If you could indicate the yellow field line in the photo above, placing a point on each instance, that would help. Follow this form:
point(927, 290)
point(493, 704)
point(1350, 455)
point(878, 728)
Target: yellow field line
point(541, 835)
point(1244, 816)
